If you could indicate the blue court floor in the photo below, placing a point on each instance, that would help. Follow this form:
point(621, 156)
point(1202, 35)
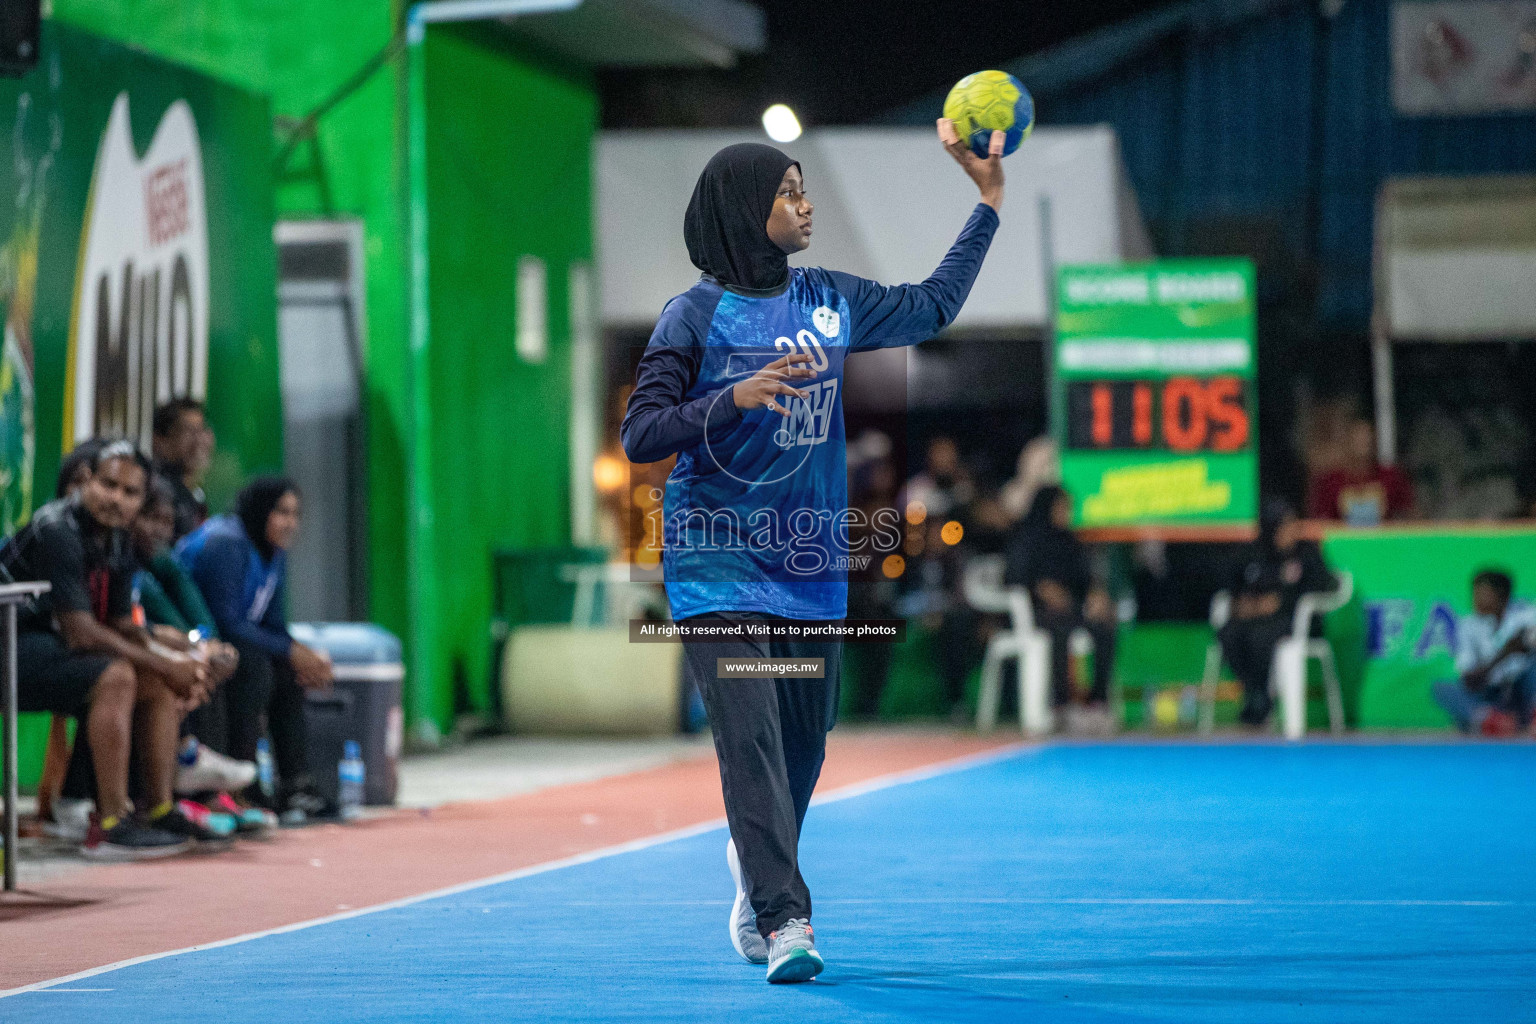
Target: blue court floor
point(1338, 883)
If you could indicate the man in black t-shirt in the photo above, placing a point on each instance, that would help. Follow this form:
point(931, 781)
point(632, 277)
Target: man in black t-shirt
point(180, 450)
point(78, 652)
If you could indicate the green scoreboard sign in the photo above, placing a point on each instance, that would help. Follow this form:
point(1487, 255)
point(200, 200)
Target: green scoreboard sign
point(1154, 401)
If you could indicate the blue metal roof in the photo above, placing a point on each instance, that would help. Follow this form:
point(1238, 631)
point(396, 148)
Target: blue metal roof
point(1265, 127)
point(1090, 57)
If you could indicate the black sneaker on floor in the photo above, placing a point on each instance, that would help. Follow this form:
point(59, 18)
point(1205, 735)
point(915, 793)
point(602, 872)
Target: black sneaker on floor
point(303, 805)
point(131, 839)
point(178, 824)
point(255, 797)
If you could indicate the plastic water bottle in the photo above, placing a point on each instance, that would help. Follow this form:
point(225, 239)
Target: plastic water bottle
point(1189, 705)
point(351, 773)
point(264, 770)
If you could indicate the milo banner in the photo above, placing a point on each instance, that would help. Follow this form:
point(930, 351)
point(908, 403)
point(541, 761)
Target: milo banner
point(136, 261)
point(1154, 400)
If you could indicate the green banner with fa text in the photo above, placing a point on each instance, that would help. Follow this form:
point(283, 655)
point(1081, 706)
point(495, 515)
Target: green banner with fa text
point(1413, 592)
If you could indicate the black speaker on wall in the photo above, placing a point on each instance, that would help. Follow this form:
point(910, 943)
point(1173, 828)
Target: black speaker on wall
point(20, 21)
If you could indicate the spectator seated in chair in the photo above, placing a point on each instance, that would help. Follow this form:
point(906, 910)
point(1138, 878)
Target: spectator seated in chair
point(177, 616)
point(239, 562)
point(1045, 556)
point(182, 446)
point(79, 653)
point(943, 491)
point(1271, 575)
point(74, 471)
point(1361, 491)
point(1496, 693)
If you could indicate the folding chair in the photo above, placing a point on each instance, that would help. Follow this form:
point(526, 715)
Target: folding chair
point(1021, 642)
point(1288, 676)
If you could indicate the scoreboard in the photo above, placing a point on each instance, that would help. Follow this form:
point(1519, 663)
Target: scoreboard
point(1153, 399)
point(1180, 414)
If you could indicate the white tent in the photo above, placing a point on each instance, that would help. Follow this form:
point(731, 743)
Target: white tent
point(1455, 262)
point(889, 201)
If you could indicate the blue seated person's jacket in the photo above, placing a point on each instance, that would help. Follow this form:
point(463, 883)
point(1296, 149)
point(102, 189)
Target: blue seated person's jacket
point(244, 591)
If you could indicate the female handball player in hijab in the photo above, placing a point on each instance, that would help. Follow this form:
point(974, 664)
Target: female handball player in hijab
point(741, 381)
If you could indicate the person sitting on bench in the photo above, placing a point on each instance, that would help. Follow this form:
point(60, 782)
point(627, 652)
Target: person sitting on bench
point(1497, 689)
point(78, 652)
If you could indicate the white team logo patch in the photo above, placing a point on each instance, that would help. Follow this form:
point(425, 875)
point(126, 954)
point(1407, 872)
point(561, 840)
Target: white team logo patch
point(827, 321)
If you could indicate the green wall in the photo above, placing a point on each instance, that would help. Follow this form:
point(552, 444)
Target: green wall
point(508, 175)
point(509, 142)
point(299, 54)
point(1413, 588)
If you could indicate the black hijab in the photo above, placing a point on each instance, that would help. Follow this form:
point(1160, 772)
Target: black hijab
point(254, 506)
point(1264, 569)
point(1041, 515)
point(726, 226)
point(1272, 513)
point(1041, 550)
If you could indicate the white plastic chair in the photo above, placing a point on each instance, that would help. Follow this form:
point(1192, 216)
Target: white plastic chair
point(1288, 673)
point(1022, 641)
point(1221, 613)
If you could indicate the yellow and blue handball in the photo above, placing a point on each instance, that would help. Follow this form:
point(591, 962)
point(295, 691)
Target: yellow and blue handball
point(987, 102)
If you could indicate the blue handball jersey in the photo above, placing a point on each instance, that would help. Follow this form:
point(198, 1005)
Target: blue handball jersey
point(756, 512)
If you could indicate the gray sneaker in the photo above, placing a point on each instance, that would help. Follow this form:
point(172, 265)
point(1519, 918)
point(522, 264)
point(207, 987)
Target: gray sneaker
point(745, 937)
point(792, 952)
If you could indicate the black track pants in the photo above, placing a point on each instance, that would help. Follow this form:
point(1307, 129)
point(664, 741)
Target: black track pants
point(261, 696)
point(1249, 645)
point(770, 738)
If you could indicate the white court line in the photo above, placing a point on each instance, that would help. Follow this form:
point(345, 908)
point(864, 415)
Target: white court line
point(1182, 901)
point(1044, 901)
point(846, 792)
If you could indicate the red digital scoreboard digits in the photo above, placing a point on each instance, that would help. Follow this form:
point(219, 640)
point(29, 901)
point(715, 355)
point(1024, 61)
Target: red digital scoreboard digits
point(1176, 414)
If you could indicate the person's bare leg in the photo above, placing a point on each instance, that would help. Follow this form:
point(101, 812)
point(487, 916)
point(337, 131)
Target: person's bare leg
point(156, 734)
point(110, 724)
point(55, 764)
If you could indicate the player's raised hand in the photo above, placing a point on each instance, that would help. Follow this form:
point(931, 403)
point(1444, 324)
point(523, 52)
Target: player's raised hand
point(758, 390)
point(988, 173)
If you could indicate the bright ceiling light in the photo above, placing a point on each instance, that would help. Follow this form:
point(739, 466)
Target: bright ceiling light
point(781, 124)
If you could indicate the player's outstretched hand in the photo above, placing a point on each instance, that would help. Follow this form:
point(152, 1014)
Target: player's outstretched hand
point(758, 390)
point(988, 173)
